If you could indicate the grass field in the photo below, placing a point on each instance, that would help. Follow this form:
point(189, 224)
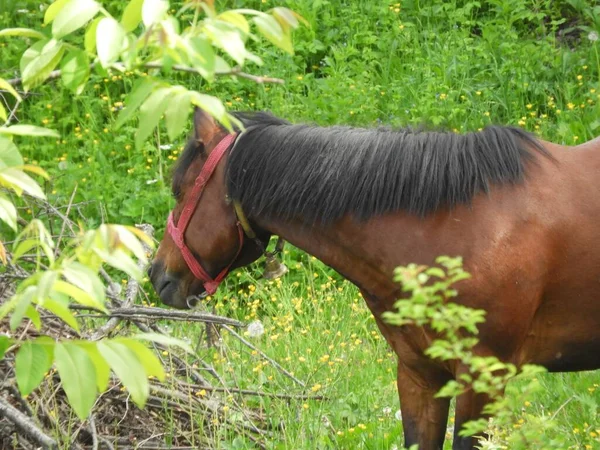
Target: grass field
point(457, 65)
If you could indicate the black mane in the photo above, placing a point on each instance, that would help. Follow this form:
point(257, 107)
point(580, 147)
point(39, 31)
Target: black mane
point(279, 170)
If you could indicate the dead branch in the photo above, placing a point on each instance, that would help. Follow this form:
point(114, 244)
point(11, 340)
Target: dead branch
point(145, 312)
point(25, 425)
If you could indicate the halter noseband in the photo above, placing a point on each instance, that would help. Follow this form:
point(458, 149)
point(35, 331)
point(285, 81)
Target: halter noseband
point(177, 232)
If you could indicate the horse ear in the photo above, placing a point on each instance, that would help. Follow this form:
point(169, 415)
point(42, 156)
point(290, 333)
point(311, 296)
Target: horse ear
point(205, 127)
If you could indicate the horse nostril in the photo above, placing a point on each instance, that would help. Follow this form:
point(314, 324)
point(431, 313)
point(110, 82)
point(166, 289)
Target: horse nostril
point(149, 271)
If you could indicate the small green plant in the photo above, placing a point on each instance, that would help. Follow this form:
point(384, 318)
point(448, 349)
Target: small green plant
point(429, 304)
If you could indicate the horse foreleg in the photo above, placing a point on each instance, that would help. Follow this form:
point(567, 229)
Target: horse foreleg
point(469, 406)
point(424, 417)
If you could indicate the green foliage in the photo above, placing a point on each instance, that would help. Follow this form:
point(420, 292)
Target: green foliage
point(429, 305)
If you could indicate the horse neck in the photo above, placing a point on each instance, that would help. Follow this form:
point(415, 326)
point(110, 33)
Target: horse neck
point(339, 247)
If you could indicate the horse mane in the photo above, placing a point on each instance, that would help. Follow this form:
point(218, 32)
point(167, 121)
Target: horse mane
point(280, 170)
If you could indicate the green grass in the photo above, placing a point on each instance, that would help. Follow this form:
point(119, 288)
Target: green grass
point(454, 65)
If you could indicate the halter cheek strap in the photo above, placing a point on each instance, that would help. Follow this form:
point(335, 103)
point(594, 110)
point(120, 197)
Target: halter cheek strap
point(177, 231)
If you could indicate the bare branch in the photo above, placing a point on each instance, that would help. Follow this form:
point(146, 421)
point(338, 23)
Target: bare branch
point(140, 312)
point(26, 426)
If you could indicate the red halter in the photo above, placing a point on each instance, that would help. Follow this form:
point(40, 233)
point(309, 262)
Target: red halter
point(177, 232)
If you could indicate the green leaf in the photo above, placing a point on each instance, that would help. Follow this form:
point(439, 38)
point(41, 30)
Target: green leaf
point(8, 212)
point(22, 32)
point(20, 310)
point(75, 71)
point(227, 37)
point(72, 16)
point(53, 10)
point(3, 115)
point(78, 376)
point(138, 94)
point(176, 114)
point(109, 40)
point(9, 154)
point(61, 310)
point(210, 104)
point(5, 85)
point(154, 11)
point(164, 340)
point(45, 285)
point(132, 16)
point(5, 342)
point(20, 181)
point(150, 112)
point(236, 19)
point(288, 16)
point(101, 366)
point(32, 361)
point(39, 61)
point(32, 314)
point(79, 295)
point(149, 360)
point(86, 279)
point(125, 364)
point(89, 41)
point(23, 247)
point(29, 130)
point(122, 261)
point(271, 29)
point(201, 56)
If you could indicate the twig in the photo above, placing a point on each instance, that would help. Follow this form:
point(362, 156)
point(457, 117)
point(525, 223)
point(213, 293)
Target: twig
point(272, 361)
point(256, 393)
point(561, 407)
point(236, 72)
point(94, 432)
point(130, 291)
point(25, 425)
point(141, 312)
point(12, 389)
point(64, 224)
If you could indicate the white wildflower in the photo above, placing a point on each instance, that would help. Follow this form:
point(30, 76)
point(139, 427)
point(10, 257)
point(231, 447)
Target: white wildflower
point(166, 147)
point(386, 411)
point(398, 415)
point(255, 329)
point(593, 36)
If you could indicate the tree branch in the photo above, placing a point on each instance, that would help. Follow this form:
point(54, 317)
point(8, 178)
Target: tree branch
point(235, 72)
point(26, 426)
point(140, 312)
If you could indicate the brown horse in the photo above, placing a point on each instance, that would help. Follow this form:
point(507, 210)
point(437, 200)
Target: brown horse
point(524, 214)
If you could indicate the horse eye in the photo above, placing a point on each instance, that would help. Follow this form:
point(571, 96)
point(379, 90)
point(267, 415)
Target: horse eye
point(176, 195)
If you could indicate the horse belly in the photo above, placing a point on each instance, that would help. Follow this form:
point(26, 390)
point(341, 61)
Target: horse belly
point(565, 334)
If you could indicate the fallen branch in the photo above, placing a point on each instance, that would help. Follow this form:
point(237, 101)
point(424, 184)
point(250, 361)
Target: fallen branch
point(26, 426)
point(142, 312)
